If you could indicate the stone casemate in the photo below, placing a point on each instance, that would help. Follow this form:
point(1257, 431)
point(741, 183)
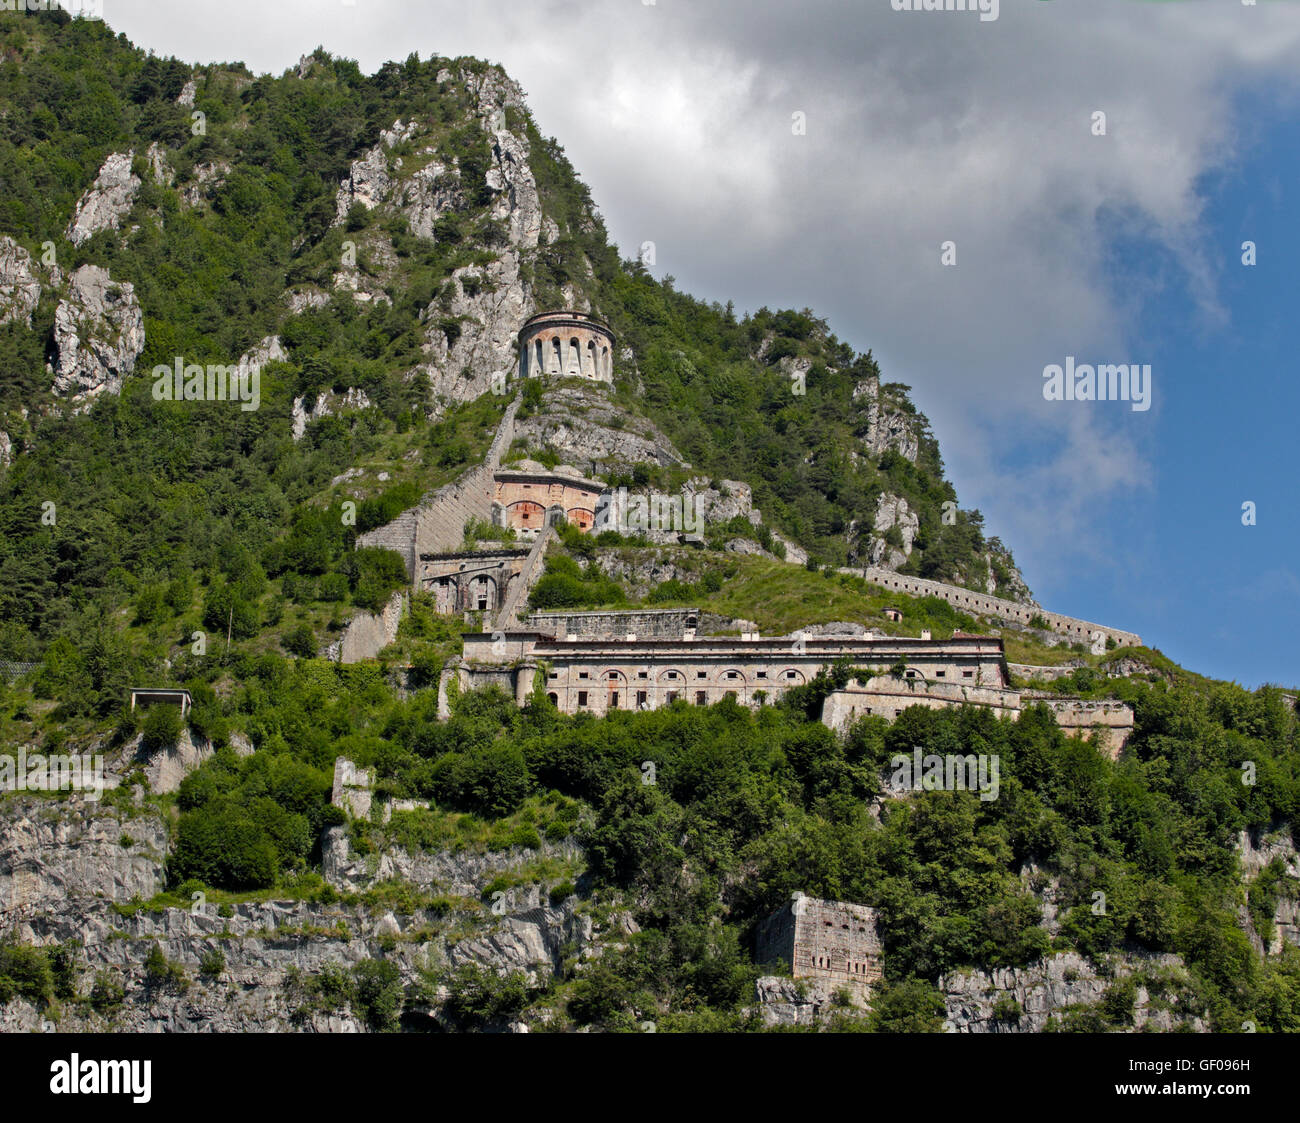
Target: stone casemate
point(831, 941)
point(529, 496)
point(567, 344)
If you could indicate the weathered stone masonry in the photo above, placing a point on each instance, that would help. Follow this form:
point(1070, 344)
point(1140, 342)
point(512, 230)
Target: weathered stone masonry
point(1079, 630)
point(833, 941)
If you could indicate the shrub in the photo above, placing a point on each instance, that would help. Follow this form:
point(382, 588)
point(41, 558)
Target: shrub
point(162, 726)
point(107, 993)
point(378, 993)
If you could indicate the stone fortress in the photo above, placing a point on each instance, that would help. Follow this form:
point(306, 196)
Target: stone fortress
point(566, 343)
point(832, 944)
point(635, 660)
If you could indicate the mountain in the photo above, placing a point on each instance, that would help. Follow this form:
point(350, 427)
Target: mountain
point(350, 258)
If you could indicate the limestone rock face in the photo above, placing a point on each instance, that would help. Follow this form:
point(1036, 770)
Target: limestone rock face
point(1260, 850)
point(582, 425)
point(462, 873)
point(165, 768)
point(98, 335)
point(267, 946)
point(106, 203)
point(52, 852)
point(489, 303)
point(1014, 587)
point(326, 404)
point(884, 427)
point(299, 300)
point(267, 350)
point(20, 291)
point(731, 499)
point(6, 450)
point(783, 1001)
point(367, 183)
point(186, 96)
point(208, 177)
point(426, 196)
point(158, 165)
point(1046, 988)
point(892, 511)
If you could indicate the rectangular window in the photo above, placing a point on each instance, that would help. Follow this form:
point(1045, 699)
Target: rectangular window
point(701, 674)
point(762, 674)
point(640, 697)
point(701, 697)
point(582, 697)
point(940, 674)
point(968, 674)
point(613, 699)
point(642, 674)
point(583, 674)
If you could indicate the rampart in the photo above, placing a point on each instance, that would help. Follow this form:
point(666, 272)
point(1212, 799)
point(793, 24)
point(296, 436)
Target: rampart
point(1082, 631)
point(437, 524)
point(649, 623)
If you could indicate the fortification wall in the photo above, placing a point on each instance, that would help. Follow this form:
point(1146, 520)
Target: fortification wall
point(1040, 673)
point(1081, 631)
point(528, 575)
point(1080, 715)
point(650, 623)
point(831, 940)
point(887, 697)
point(369, 633)
point(437, 524)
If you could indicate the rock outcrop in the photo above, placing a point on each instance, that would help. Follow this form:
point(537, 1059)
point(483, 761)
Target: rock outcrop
point(325, 404)
point(884, 427)
point(581, 424)
point(107, 202)
point(892, 512)
point(488, 304)
point(20, 291)
point(53, 852)
point(1022, 999)
point(208, 177)
point(98, 335)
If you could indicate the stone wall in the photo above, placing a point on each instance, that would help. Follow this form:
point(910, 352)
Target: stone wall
point(1079, 631)
point(566, 343)
point(437, 524)
point(461, 580)
point(529, 572)
point(352, 788)
point(367, 634)
point(1043, 673)
point(886, 696)
point(827, 940)
point(650, 623)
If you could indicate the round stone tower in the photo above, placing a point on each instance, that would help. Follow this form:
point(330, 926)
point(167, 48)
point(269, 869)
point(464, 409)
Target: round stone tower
point(566, 343)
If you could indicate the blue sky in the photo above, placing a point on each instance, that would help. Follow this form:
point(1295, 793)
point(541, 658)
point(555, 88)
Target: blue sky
point(929, 126)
